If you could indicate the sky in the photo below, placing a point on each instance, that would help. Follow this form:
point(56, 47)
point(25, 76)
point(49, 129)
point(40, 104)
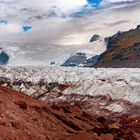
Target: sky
point(65, 22)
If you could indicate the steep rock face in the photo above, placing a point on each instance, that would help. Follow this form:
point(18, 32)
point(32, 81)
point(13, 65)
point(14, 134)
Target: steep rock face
point(94, 38)
point(123, 50)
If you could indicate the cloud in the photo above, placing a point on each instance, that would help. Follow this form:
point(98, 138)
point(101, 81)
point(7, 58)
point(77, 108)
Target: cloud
point(10, 28)
point(115, 1)
point(65, 6)
point(66, 21)
point(117, 23)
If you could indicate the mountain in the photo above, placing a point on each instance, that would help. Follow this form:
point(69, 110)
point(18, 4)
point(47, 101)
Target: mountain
point(80, 60)
point(86, 58)
point(123, 50)
point(95, 37)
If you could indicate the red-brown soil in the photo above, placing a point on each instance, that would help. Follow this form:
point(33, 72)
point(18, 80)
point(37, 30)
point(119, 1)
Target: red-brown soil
point(24, 118)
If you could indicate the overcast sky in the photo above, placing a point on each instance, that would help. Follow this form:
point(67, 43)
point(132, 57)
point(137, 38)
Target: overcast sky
point(65, 21)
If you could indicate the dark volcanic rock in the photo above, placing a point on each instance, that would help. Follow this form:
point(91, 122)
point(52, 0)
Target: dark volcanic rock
point(94, 38)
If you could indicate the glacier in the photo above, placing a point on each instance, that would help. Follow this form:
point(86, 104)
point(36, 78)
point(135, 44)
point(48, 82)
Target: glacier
point(110, 89)
point(37, 54)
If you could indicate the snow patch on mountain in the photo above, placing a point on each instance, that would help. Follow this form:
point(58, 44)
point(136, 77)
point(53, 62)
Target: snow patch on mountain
point(33, 54)
point(87, 58)
point(29, 54)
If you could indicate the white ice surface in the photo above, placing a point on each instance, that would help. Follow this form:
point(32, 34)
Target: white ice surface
point(116, 83)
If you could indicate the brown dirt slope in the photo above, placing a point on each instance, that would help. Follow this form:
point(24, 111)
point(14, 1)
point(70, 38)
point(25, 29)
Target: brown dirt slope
point(123, 50)
point(23, 118)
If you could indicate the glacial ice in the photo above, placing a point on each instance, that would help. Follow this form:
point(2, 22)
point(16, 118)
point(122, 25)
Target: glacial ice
point(116, 83)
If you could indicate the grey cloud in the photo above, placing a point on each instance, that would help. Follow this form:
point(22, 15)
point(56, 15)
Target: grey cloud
point(120, 5)
point(117, 23)
point(55, 27)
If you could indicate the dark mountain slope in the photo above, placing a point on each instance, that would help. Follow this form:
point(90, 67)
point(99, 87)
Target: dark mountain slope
point(123, 50)
point(80, 60)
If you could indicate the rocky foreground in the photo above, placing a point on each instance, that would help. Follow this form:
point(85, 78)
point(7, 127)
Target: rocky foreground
point(22, 117)
point(69, 103)
point(96, 90)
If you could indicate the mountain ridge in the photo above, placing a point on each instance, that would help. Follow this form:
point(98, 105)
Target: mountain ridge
point(123, 50)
